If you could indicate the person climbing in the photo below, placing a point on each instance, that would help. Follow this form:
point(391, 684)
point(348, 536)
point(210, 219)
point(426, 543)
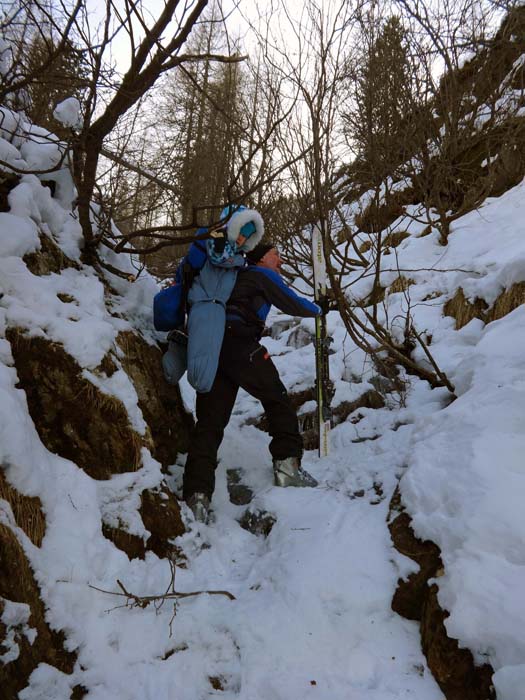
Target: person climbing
point(245, 363)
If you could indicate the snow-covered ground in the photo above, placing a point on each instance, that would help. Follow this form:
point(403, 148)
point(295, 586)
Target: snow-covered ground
point(311, 616)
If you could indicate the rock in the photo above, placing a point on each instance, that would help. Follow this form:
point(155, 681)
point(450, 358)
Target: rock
point(161, 405)
point(258, 522)
point(160, 513)
point(453, 668)
point(240, 494)
point(278, 327)
point(300, 337)
point(8, 181)
point(88, 427)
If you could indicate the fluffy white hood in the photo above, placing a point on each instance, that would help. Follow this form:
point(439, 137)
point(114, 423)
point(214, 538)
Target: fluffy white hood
point(237, 221)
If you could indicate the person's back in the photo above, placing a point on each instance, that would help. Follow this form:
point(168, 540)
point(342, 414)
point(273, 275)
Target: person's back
point(258, 288)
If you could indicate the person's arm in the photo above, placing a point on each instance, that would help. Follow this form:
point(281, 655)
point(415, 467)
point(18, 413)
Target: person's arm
point(281, 296)
point(193, 261)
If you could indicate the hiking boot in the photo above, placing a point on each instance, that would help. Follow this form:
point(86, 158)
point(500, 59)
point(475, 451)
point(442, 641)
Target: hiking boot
point(288, 472)
point(199, 504)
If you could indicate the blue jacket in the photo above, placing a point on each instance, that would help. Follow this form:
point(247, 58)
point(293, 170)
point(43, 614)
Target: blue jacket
point(255, 290)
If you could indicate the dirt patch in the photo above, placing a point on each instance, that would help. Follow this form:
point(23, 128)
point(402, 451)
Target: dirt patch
point(27, 511)
point(74, 419)
point(411, 594)
point(18, 585)
point(160, 513)
point(453, 668)
point(161, 405)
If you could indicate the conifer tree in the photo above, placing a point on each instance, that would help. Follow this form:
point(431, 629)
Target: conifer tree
point(202, 119)
point(376, 125)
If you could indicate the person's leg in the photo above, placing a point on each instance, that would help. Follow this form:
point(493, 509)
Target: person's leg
point(213, 413)
point(248, 364)
point(251, 367)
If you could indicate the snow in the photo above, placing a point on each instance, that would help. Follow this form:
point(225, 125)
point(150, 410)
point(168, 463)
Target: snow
point(15, 617)
point(311, 616)
point(6, 57)
point(68, 113)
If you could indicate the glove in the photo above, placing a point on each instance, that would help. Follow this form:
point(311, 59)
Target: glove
point(324, 304)
point(327, 303)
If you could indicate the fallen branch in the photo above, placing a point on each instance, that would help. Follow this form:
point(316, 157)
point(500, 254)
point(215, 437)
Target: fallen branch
point(138, 601)
point(425, 349)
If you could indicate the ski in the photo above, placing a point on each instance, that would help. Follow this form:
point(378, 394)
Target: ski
point(323, 386)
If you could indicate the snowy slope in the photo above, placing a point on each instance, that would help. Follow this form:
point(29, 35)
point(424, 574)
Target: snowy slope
point(465, 471)
point(311, 616)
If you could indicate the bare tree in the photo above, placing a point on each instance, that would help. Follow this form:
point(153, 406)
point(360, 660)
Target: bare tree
point(154, 47)
point(37, 49)
point(460, 106)
point(317, 70)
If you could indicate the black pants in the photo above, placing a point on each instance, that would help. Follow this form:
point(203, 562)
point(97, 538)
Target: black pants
point(243, 363)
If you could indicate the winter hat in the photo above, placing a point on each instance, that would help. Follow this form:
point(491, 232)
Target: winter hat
point(260, 250)
point(243, 222)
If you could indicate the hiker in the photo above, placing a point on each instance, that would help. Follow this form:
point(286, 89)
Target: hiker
point(243, 362)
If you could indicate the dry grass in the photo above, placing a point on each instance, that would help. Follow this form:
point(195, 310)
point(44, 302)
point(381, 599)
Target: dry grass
point(392, 240)
point(432, 295)
point(72, 416)
point(400, 284)
point(365, 247)
point(102, 401)
point(114, 409)
point(507, 301)
point(463, 311)
point(27, 511)
point(376, 217)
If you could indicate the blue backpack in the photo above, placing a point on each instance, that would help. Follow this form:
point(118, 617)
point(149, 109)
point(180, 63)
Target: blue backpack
point(168, 308)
